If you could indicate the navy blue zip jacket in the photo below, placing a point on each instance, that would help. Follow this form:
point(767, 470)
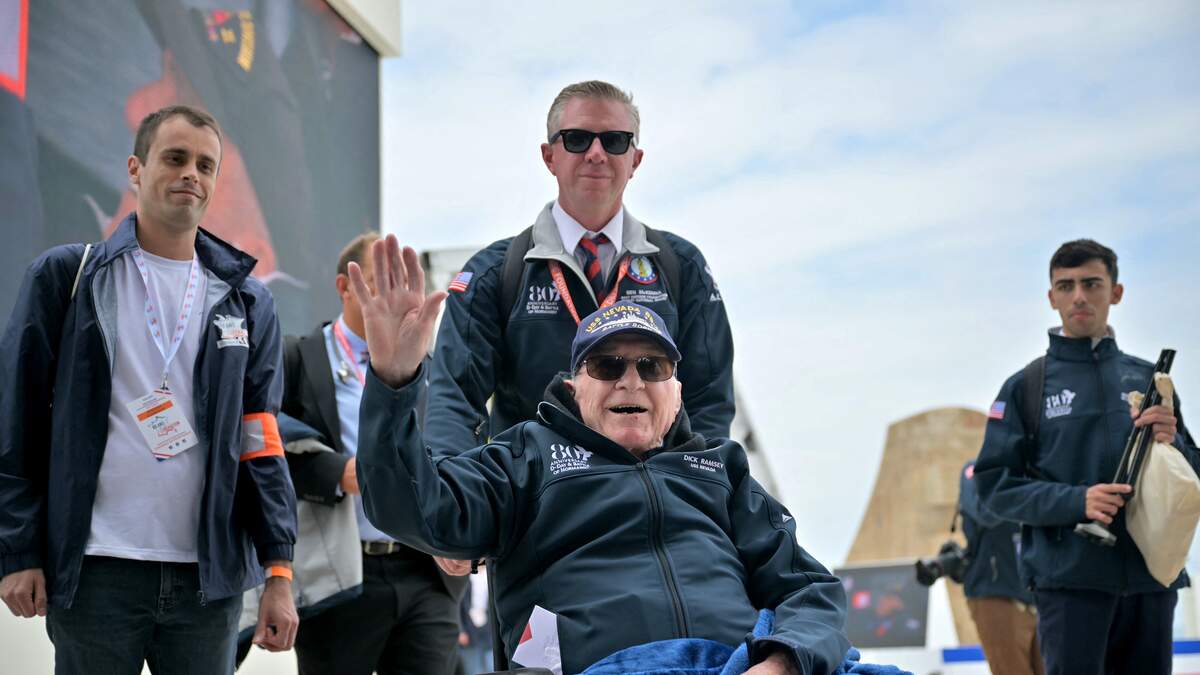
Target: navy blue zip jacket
point(514, 352)
point(992, 544)
point(1084, 426)
point(55, 389)
point(682, 544)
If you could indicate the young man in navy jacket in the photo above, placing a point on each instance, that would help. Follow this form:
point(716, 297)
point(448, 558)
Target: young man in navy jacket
point(1099, 610)
point(143, 486)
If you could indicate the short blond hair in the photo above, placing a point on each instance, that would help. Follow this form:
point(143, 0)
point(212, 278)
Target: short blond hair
point(591, 89)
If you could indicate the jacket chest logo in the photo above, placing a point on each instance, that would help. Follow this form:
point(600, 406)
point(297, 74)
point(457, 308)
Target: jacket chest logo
point(233, 332)
point(1058, 405)
point(543, 300)
point(641, 270)
point(565, 458)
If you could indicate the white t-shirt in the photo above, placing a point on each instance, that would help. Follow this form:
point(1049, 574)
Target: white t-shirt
point(147, 509)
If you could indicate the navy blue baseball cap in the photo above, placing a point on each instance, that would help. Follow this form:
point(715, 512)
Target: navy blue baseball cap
point(621, 318)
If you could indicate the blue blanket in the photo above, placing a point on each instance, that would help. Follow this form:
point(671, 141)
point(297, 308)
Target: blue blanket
point(692, 656)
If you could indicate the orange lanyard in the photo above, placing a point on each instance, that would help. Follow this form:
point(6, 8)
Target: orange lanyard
point(561, 283)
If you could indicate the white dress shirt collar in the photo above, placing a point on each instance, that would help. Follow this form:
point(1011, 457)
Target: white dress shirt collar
point(571, 231)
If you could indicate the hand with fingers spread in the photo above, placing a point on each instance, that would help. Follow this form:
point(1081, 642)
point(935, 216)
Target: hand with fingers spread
point(397, 317)
point(1103, 500)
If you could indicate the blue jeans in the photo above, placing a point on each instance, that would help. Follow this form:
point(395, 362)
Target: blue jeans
point(129, 611)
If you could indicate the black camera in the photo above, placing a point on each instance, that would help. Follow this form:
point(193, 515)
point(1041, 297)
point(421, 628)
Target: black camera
point(951, 561)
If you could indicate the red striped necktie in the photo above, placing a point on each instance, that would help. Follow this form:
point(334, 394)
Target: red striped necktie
point(591, 262)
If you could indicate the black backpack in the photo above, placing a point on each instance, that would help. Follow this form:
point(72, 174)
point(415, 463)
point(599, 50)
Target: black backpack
point(514, 266)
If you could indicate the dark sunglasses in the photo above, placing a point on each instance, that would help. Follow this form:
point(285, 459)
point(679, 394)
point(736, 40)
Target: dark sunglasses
point(579, 140)
point(609, 367)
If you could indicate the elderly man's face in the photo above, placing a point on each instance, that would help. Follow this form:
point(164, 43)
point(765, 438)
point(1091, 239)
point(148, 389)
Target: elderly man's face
point(632, 412)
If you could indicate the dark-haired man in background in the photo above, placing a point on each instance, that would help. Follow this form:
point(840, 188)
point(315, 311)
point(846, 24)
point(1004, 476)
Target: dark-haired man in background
point(1001, 607)
point(403, 618)
point(142, 482)
point(1099, 610)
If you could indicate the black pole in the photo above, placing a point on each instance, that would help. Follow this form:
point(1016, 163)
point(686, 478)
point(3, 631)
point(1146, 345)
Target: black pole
point(1136, 447)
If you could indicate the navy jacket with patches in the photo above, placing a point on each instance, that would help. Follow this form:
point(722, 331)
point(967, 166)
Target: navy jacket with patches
point(992, 546)
point(55, 390)
point(514, 352)
point(683, 543)
point(1083, 430)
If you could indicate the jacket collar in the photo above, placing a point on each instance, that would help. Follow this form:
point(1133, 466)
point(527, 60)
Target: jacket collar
point(547, 243)
point(228, 263)
point(560, 412)
point(1080, 349)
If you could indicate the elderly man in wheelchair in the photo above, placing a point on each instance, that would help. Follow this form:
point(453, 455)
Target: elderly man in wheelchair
point(606, 523)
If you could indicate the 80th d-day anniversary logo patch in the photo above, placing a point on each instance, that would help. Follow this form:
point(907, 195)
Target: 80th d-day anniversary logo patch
point(233, 333)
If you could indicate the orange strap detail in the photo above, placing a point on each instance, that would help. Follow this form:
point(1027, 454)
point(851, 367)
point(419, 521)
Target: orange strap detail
point(260, 436)
point(279, 571)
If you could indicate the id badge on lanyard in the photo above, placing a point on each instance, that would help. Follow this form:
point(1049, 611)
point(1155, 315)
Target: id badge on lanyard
point(560, 282)
point(163, 425)
point(349, 354)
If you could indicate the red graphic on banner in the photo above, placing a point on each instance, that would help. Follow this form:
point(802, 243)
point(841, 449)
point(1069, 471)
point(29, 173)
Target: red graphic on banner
point(14, 80)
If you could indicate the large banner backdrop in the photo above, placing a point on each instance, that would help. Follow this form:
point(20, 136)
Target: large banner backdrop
point(295, 89)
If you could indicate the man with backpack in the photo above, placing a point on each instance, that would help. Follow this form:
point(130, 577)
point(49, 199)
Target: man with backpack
point(514, 307)
point(1054, 439)
point(1001, 607)
point(143, 485)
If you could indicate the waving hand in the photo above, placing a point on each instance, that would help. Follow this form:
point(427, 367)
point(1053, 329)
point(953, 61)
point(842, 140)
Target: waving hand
point(397, 316)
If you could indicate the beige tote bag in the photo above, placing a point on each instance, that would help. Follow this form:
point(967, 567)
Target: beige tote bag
point(1162, 516)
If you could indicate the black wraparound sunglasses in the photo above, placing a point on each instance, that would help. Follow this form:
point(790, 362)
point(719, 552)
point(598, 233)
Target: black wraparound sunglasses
point(579, 140)
point(610, 367)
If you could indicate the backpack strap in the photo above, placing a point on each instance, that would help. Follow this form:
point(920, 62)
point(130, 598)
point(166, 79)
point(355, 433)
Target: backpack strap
point(668, 260)
point(510, 275)
point(87, 250)
point(1034, 387)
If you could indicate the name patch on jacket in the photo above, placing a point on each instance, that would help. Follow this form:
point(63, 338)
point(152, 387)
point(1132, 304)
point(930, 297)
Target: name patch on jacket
point(644, 296)
point(233, 332)
point(1058, 405)
point(565, 458)
point(703, 463)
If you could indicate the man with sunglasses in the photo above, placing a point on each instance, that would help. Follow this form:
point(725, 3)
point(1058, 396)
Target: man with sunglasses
point(607, 522)
point(513, 309)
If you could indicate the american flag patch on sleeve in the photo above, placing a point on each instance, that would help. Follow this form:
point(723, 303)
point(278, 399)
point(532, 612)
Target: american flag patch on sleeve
point(996, 412)
point(460, 281)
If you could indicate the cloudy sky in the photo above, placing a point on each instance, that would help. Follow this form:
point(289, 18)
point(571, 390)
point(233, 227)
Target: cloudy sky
point(877, 186)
